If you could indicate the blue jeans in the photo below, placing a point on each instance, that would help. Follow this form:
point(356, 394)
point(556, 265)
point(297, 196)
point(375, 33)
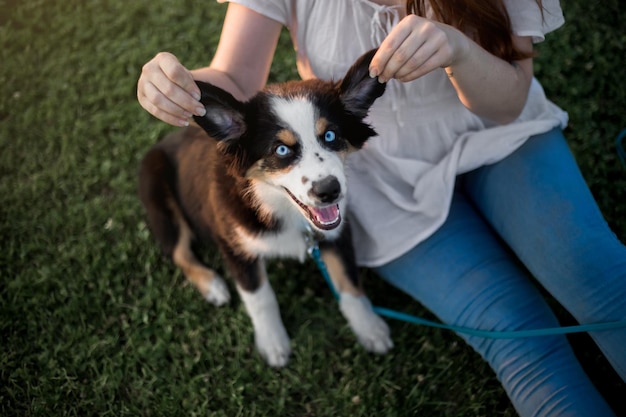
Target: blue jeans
point(530, 215)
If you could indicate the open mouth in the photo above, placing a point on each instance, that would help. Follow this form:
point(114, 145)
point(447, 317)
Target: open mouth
point(325, 218)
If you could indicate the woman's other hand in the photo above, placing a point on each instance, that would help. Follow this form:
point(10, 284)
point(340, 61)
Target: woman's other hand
point(415, 47)
point(486, 85)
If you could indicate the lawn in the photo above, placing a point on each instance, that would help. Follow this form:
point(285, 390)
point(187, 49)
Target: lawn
point(93, 321)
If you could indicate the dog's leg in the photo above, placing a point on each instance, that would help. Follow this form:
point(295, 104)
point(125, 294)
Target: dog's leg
point(207, 281)
point(258, 297)
point(270, 335)
point(371, 331)
point(156, 182)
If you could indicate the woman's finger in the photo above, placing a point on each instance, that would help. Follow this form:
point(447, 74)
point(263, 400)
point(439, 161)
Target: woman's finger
point(172, 92)
point(429, 65)
point(178, 74)
point(425, 59)
point(387, 48)
point(162, 107)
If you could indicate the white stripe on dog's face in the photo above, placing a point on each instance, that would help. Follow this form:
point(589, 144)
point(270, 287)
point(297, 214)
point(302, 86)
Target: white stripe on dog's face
point(316, 162)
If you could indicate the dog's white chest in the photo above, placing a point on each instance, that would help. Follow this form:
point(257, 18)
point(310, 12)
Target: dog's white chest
point(288, 243)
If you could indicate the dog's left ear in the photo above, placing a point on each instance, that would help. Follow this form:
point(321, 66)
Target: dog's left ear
point(358, 90)
point(224, 119)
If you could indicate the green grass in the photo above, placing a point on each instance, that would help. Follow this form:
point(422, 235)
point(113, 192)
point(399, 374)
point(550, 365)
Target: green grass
point(94, 322)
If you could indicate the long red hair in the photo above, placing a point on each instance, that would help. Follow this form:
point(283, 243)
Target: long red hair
point(486, 21)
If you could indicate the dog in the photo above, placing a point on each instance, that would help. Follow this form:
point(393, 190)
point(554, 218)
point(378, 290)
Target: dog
point(258, 178)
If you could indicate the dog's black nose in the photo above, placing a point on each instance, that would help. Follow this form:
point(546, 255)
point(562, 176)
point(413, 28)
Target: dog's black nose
point(326, 190)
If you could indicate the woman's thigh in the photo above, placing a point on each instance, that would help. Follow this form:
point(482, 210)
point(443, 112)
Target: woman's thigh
point(466, 276)
point(538, 202)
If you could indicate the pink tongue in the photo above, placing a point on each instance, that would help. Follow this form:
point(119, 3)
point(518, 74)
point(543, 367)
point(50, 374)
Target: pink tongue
point(326, 215)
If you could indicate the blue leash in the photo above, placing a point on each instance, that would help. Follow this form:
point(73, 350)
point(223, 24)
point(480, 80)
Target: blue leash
point(314, 252)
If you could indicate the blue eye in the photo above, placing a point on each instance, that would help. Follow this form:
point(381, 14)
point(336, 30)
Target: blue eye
point(329, 136)
point(282, 150)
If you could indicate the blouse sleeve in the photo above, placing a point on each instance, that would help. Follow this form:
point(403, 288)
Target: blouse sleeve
point(528, 20)
point(279, 10)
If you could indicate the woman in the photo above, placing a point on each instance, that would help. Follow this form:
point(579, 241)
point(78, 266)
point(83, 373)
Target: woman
point(469, 176)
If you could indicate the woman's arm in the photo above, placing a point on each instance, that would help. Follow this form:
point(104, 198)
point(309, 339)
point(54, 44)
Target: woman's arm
point(487, 85)
point(241, 65)
point(244, 54)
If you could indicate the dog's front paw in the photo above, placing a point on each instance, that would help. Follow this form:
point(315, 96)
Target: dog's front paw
point(270, 335)
point(272, 341)
point(371, 331)
point(217, 292)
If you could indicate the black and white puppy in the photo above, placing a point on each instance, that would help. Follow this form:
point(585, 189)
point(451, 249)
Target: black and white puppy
point(255, 180)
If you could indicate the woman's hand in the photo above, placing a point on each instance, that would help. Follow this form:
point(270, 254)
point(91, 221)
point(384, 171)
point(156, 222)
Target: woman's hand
point(166, 89)
point(415, 47)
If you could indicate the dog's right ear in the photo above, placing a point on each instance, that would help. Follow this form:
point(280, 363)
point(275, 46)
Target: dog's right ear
point(358, 90)
point(224, 119)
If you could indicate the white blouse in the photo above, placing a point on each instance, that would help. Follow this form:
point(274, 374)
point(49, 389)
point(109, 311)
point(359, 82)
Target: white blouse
point(401, 182)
